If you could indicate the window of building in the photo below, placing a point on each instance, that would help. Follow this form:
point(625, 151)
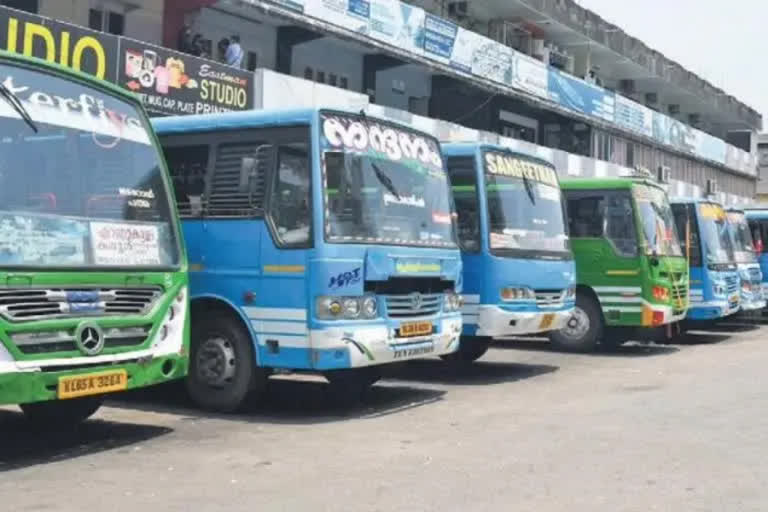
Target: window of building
point(253, 61)
point(289, 204)
point(464, 184)
point(344, 82)
point(106, 21)
point(22, 5)
point(332, 79)
point(321, 77)
point(309, 74)
point(630, 157)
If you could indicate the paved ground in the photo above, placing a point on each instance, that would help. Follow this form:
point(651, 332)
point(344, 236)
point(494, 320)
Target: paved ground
point(678, 428)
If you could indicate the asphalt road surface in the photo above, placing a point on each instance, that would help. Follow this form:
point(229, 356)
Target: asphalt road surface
point(670, 428)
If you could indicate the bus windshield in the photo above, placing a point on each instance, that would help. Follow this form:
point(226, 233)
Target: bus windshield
point(384, 184)
point(525, 206)
point(658, 221)
point(741, 237)
point(81, 181)
point(715, 239)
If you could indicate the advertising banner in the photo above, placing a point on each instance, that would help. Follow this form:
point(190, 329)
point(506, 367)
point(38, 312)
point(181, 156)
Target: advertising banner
point(580, 96)
point(75, 47)
point(349, 14)
point(492, 61)
point(529, 75)
point(672, 132)
point(633, 116)
point(398, 24)
point(170, 82)
point(709, 147)
point(294, 5)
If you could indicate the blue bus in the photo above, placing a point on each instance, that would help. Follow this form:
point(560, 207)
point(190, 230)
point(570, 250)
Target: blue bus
point(703, 226)
point(319, 240)
point(519, 272)
point(752, 298)
point(757, 218)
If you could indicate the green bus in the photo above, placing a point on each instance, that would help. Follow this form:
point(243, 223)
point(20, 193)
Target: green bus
point(630, 266)
point(93, 273)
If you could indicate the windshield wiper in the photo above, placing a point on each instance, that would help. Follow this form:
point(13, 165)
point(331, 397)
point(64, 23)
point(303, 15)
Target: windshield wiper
point(15, 102)
point(529, 189)
point(385, 180)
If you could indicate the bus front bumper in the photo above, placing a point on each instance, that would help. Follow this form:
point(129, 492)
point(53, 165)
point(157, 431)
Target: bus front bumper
point(496, 322)
point(359, 346)
point(712, 310)
point(37, 386)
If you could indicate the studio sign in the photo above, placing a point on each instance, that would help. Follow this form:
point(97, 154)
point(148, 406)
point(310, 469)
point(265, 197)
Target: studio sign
point(396, 144)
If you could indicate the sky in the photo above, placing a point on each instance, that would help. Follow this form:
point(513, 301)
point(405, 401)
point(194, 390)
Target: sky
point(724, 42)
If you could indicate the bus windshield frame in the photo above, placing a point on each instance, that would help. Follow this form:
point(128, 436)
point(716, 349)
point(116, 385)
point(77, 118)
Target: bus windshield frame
point(741, 236)
point(383, 184)
point(84, 185)
point(523, 190)
point(658, 222)
point(715, 239)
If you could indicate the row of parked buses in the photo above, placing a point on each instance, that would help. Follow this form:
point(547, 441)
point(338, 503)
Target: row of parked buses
point(318, 240)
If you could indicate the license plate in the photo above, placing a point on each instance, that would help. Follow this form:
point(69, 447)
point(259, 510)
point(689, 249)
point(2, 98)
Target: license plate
point(92, 384)
point(411, 329)
point(546, 322)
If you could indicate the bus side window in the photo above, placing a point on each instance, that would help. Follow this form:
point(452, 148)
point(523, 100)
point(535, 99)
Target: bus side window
point(585, 216)
point(685, 218)
point(620, 225)
point(464, 184)
point(188, 167)
point(289, 204)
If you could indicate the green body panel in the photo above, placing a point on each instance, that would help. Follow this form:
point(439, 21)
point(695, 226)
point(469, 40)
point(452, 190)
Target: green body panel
point(32, 386)
point(602, 270)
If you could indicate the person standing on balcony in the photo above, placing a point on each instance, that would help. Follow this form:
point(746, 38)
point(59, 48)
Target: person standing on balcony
point(234, 53)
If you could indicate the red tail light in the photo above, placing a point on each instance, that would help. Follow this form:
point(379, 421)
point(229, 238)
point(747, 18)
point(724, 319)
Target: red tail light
point(658, 318)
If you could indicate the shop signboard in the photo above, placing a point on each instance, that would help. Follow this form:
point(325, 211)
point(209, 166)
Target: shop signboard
point(580, 96)
point(398, 24)
point(529, 75)
point(170, 82)
point(633, 116)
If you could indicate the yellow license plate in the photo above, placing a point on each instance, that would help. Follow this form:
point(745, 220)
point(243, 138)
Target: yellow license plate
point(411, 329)
point(546, 322)
point(75, 386)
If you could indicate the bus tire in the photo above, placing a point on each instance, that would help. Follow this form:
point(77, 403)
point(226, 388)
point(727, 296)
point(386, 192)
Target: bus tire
point(471, 348)
point(583, 330)
point(55, 413)
point(221, 365)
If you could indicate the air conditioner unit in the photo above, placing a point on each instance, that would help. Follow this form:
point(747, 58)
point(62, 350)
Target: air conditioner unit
point(712, 188)
point(665, 174)
point(458, 9)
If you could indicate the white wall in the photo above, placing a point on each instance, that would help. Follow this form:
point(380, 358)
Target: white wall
point(331, 57)
point(275, 90)
point(144, 23)
point(418, 84)
point(254, 37)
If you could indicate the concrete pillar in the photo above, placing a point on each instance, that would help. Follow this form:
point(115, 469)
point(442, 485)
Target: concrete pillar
point(287, 38)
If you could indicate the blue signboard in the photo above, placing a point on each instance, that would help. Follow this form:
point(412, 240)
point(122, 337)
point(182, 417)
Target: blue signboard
point(578, 95)
point(439, 36)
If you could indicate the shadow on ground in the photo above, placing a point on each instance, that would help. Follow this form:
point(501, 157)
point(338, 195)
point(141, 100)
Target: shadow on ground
point(631, 349)
point(289, 401)
point(479, 373)
point(22, 445)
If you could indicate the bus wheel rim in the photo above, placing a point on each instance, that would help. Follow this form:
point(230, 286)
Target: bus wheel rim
point(216, 362)
point(577, 325)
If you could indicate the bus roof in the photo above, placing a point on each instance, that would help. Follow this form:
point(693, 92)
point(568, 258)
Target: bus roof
point(605, 183)
point(15, 58)
point(469, 148)
point(251, 119)
point(694, 200)
point(756, 212)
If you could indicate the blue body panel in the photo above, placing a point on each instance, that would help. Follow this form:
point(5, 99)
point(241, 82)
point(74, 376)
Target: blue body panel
point(273, 290)
point(760, 216)
point(705, 304)
point(485, 274)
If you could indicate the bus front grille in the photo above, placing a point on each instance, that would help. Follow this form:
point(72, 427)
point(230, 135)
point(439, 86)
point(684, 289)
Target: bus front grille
point(550, 298)
point(45, 342)
point(732, 284)
point(413, 304)
point(24, 304)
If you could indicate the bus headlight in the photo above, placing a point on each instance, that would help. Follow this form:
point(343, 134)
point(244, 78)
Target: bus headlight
point(570, 293)
point(452, 302)
point(369, 307)
point(512, 293)
point(349, 308)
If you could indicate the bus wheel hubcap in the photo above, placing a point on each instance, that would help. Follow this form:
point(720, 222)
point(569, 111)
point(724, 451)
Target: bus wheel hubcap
point(578, 325)
point(216, 362)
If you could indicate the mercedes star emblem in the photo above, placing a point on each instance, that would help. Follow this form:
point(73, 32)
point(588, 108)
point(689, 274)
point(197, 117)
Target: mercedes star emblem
point(89, 339)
